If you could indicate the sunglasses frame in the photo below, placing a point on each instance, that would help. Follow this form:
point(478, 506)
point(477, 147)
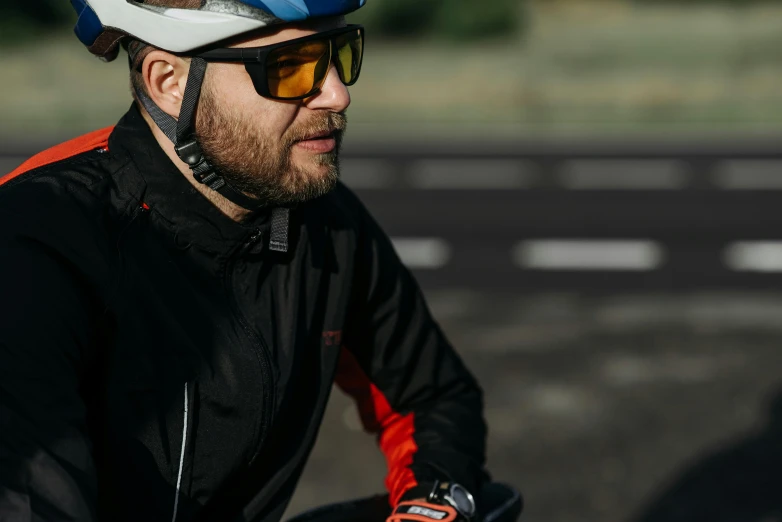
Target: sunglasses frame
point(254, 59)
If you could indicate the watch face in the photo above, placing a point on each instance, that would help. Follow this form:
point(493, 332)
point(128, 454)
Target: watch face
point(463, 500)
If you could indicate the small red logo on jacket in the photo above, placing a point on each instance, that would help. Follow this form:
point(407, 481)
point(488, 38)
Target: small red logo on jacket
point(333, 338)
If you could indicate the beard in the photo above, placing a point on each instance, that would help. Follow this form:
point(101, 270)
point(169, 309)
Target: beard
point(262, 167)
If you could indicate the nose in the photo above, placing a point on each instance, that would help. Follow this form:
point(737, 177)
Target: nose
point(333, 95)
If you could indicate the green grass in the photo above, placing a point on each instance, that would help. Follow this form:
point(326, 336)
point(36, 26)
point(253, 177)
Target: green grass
point(584, 67)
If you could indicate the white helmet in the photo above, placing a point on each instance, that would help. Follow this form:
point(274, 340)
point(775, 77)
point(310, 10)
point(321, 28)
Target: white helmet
point(185, 25)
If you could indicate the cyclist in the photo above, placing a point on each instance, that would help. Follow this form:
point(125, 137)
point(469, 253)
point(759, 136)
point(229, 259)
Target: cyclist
point(181, 290)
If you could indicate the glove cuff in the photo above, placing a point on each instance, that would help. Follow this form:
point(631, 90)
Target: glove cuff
point(419, 511)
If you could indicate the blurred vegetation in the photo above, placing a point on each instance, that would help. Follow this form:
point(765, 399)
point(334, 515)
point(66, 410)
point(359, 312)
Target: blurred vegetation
point(22, 21)
point(452, 20)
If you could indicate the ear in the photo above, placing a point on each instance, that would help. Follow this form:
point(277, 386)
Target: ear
point(165, 76)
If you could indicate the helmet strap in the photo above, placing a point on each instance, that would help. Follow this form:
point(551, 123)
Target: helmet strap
point(181, 132)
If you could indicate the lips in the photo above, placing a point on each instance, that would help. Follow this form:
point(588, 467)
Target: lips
point(319, 143)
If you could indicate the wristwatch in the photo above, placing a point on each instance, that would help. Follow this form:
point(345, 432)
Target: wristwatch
point(454, 495)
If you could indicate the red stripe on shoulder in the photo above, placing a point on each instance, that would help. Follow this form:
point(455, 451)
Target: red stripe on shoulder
point(98, 139)
point(397, 431)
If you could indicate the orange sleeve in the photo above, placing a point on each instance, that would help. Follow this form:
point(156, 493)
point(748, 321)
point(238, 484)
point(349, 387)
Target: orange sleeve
point(395, 430)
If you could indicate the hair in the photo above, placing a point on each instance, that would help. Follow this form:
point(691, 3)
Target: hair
point(137, 51)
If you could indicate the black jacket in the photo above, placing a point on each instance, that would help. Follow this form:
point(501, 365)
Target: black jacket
point(157, 356)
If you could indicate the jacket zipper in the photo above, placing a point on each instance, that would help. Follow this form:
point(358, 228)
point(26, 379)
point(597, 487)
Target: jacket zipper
point(181, 454)
point(259, 347)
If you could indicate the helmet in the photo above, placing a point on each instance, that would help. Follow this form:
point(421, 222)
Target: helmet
point(180, 26)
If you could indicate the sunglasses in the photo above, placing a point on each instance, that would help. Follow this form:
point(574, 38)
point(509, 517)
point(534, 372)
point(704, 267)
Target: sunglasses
point(296, 69)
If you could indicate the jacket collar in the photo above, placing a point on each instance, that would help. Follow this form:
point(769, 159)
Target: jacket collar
point(190, 216)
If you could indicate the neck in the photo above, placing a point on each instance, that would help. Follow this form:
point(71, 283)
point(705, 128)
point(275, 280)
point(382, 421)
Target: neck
point(229, 208)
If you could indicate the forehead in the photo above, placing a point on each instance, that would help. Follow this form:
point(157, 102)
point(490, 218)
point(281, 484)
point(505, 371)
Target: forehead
point(286, 32)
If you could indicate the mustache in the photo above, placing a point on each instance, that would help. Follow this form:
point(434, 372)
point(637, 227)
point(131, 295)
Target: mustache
point(331, 123)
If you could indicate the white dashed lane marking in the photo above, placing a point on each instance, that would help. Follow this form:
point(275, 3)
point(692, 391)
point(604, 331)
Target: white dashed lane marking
point(612, 174)
point(576, 174)
point(749, 175)
point(472, 174)
point(754, 256)
point(565, 254)
point(422, 253)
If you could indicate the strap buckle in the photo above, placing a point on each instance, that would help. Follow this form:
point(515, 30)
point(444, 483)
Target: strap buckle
point(190, 152)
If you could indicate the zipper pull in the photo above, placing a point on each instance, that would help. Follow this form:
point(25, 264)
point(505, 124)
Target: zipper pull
point(252, 240)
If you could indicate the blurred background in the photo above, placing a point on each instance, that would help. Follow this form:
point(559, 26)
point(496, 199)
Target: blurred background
point(589, 194)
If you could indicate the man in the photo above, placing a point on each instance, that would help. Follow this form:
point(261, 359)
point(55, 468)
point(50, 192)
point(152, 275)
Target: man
point(180, 291)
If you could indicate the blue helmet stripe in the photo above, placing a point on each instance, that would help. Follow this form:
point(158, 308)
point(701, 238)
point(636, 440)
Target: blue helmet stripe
point(88, 27)
point(295, 10)
point(288, 10)
point(332, 7)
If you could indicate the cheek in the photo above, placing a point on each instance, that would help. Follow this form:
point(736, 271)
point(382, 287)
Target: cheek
point(234, 90)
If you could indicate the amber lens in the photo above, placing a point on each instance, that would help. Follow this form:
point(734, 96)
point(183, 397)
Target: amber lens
point(297, 70)
point(350, 51)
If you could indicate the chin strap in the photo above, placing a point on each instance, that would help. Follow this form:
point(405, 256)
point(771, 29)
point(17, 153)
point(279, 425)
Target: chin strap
point(181, 132)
